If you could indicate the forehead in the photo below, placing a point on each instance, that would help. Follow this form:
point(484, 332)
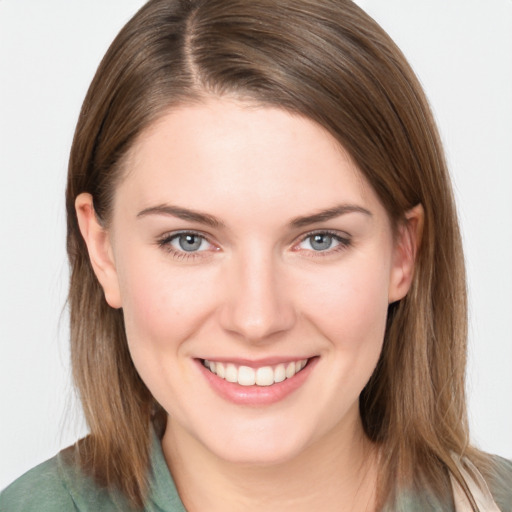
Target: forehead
point(243, 153)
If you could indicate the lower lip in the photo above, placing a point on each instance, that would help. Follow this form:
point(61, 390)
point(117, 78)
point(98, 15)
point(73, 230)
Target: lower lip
point(257, 395)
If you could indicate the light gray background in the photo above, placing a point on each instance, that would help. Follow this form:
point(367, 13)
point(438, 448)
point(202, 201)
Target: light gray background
point(49, 50)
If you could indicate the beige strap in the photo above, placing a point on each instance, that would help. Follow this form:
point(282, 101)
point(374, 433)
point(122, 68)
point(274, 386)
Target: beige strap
point(478, 488)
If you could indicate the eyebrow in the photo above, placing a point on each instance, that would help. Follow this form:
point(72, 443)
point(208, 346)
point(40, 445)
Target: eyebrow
point(213, 222)
point(330, 213)
point(182, 213)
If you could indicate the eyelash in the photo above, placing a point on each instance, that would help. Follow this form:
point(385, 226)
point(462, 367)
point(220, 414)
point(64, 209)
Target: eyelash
point(165, 243)
point(344, 242)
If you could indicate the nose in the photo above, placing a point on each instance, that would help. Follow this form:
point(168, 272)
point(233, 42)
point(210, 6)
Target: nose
point(257, 303)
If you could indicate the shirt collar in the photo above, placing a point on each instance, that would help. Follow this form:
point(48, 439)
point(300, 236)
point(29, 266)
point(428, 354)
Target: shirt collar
point(162, 490)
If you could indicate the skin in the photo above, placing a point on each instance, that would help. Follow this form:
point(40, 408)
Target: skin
point(257, 288)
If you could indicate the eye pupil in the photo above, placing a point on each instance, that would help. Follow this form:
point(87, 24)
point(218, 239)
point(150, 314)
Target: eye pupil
point(321, 242)
point(190, 242)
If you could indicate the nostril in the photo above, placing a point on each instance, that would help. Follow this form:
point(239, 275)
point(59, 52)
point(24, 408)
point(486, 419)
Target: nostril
point(257, 322)
point(255, 303)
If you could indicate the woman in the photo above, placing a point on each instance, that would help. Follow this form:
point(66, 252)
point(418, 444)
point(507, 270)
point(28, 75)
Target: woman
point(267, 292)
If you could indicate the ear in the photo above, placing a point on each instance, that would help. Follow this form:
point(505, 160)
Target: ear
point(407, 244)
point(99, 247)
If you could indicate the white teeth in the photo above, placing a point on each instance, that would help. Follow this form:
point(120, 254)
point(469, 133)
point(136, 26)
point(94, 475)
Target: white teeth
point(231, 373)
point(246, 376)
point(279, 373)
point(220, 370)
point(263, 376)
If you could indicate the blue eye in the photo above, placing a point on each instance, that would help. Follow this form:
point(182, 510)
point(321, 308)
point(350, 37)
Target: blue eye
point(184, 243)
point(189, 242)
point(323, 242)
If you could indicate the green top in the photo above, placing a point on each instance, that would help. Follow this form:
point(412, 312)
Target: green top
point(55, 486)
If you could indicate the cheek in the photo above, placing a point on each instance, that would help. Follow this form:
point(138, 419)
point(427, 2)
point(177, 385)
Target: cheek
point(163, 308)
point(349, 310)
point(350, 305)
point(162, 305)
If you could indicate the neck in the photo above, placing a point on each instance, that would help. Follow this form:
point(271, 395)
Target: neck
point(336, 473)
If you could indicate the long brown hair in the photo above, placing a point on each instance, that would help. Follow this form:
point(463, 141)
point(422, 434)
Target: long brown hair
point(329, 61)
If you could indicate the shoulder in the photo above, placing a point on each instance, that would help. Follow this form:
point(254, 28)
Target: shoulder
point(41, 489)
point(58, 486)
point(499, 480)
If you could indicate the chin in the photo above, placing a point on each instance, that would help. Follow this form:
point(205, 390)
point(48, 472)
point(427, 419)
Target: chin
point(260, 445)
point(263, 456)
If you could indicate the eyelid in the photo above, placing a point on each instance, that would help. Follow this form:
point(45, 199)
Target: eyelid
point(342, 237)
point(332, 232)
point(164, 242)
point(173, 234)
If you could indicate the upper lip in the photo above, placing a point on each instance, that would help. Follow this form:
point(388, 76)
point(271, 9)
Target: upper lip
point(257, 363)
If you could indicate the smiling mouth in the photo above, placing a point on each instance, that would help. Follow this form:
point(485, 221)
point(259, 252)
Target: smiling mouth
point(247, 376)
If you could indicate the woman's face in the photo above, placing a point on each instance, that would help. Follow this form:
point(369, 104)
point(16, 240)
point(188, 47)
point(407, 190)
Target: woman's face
point(245, 239)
